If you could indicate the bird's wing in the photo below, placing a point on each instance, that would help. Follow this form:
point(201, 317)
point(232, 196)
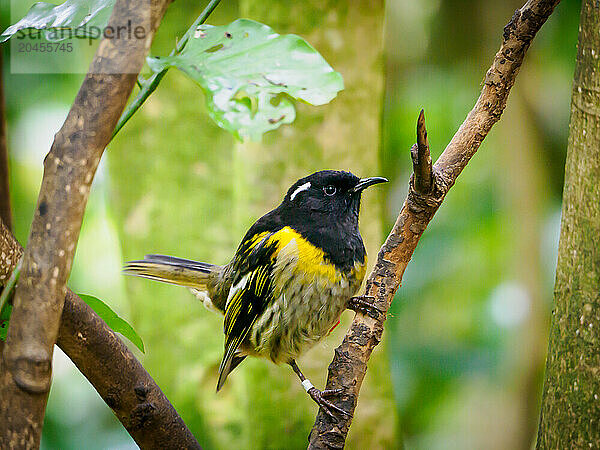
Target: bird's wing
point(250, 293)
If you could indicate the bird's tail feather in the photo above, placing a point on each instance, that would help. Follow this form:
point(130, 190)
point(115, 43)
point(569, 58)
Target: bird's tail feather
point(169, 269)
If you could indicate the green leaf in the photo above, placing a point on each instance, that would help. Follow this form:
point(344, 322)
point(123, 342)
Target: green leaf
point(148, 85)
point(4, 317)
point(73, 18)
point(250, 75)
point(113, 320)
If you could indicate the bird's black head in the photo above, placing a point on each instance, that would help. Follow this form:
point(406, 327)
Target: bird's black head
point(330, 194)
point(323, 208)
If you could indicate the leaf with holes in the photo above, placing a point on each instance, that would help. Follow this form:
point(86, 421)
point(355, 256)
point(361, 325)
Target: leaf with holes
point(73, 18)
point(251, 75)
point(113, 320)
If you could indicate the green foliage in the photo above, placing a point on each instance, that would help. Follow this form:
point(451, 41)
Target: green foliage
point(250, 74)
point(148, 85)
point(113, 320)
point(73, 18)
point(5, 294)
point(102, 309)
point(4, 316)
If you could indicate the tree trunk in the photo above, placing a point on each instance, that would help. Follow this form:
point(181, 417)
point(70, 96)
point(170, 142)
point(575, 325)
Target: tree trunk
point(570, 415)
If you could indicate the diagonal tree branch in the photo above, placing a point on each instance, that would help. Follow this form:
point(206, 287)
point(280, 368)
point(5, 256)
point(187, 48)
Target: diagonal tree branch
point(110, 367)
point(349, 365)
point(120, 379)
point(69, 167)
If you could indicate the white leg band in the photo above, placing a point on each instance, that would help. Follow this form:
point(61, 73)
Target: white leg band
point(307, 385)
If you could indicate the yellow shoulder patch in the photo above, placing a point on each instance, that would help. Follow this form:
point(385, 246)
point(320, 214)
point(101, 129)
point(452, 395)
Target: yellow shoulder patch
point(311, 259)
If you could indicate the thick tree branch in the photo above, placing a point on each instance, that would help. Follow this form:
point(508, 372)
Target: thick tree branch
point(120, 379)
point(110, 367)
point(349, 364)
point(25, 370)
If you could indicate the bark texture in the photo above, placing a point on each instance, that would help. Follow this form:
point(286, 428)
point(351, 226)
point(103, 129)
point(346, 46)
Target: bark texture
point(570, 416)
point(110, 367)
point(348, 367)
point(26, 367)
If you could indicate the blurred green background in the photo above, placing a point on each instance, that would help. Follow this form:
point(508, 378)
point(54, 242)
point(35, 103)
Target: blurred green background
point(461, 363)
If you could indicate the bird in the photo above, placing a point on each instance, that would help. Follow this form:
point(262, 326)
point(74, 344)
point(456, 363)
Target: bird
point(295, 271)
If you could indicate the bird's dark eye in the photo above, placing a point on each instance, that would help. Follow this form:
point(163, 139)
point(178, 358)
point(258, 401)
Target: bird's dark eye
point(329, 189)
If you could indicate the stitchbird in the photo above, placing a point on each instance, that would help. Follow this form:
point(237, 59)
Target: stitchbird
point(294, 273)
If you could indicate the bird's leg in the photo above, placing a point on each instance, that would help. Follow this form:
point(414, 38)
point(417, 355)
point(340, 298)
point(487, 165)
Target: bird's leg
point(365, 305)
point(317, 395)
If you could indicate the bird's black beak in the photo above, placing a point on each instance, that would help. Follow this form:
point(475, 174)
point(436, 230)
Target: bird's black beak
point(364, 183)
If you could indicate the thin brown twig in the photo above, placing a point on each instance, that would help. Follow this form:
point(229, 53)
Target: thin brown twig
point(69, 168)
point(110, 367)
point(349, 365)
point(421, 159)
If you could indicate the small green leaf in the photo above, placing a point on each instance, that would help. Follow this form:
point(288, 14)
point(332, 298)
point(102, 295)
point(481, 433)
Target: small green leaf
point(113, 320)
point(251, 74)
point(4, 317)
point(74, 18)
